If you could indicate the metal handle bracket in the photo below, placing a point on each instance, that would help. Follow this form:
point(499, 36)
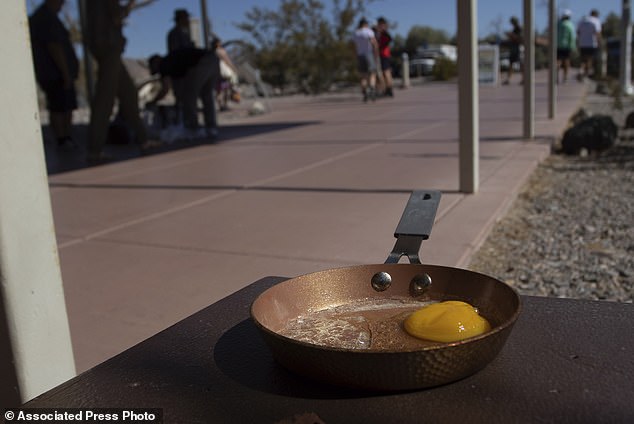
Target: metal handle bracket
point(415, 225)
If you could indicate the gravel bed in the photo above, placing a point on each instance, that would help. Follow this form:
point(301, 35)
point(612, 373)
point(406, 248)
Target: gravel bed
point(570, 232)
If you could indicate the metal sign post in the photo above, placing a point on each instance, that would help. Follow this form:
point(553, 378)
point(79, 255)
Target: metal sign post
point(205, 23)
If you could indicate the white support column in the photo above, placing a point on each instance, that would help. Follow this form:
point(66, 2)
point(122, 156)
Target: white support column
point(529, 70)
point(552, 58)
point(30, 280)
point(625, 65)
point(468, 107)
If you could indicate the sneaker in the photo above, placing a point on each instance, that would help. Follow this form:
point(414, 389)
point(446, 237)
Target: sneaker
point(99, 159)
point(172, 134)
point(150, 146)
point(212, 133)
point(194, 133)
point(66, 143)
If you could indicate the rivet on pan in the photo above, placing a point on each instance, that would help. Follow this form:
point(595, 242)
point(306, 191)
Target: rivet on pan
point(419, 284)
point(381, 281)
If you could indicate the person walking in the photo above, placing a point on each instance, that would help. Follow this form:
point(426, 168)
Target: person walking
point(179, 38)
point(515, 42)
point(56, 68)
point(199, 70)
point(366, 49)
point(384, 39)
point(566, 43)
point(228, 81)
point(589, 41)
point(106, 44)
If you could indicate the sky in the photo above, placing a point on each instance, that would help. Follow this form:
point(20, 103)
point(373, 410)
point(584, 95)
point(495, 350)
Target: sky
point(146, 28)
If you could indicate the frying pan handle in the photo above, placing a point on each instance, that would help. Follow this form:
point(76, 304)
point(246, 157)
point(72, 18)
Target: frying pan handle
point(415, 225)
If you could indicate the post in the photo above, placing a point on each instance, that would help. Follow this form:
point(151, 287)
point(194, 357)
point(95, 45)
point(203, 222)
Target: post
point(405, 70)
point(468, 112)
point(88, 72)
point(33, 325)
point(195, 32)
point(552, 58)
point(625, 67)
point(205, 22)
point(529, 71)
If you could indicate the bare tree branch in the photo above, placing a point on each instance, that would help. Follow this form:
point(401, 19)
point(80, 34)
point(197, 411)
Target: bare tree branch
point(143, 3)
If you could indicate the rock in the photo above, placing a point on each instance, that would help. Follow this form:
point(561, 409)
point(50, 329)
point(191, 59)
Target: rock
point(257, 108)
point(593, 134)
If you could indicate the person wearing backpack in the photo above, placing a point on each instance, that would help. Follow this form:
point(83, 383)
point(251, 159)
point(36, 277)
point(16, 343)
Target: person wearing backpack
point(566, 43)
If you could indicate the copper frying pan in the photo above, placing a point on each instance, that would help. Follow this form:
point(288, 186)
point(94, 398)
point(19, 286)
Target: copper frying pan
point(344, 326)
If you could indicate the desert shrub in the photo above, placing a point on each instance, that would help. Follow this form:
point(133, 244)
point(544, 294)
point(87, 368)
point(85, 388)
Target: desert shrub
point(444, 69)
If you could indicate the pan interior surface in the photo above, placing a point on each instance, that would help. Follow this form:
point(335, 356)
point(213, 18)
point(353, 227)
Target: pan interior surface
point(371, 324)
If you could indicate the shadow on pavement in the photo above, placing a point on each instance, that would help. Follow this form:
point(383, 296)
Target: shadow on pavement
point(59, 160)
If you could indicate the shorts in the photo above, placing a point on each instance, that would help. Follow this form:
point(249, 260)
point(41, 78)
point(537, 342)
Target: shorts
point(365, 64)
point(563, 54)
point(514, 55)
point(386, 63)
point(59, 99)
point(588, 52)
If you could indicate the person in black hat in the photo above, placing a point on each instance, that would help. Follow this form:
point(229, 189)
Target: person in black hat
point(179, 36)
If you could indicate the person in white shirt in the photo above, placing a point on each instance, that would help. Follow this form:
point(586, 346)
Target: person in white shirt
point(367, 49)
point(589, 41)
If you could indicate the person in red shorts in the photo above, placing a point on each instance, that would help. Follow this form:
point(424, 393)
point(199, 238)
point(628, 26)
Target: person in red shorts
point(384, 39)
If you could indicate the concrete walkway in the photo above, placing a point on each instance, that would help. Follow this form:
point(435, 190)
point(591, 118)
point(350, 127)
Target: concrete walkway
point(319, 182)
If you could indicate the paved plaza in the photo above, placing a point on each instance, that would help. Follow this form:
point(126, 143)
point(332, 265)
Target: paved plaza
point(318, 182)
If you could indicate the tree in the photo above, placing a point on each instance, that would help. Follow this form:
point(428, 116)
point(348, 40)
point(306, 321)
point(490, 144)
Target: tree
point(70, 16)
point(296, 45)
point(497, 26)
point(419, 36)
point(611, 26)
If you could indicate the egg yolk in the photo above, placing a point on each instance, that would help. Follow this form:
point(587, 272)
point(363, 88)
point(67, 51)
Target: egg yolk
point(448, 321)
